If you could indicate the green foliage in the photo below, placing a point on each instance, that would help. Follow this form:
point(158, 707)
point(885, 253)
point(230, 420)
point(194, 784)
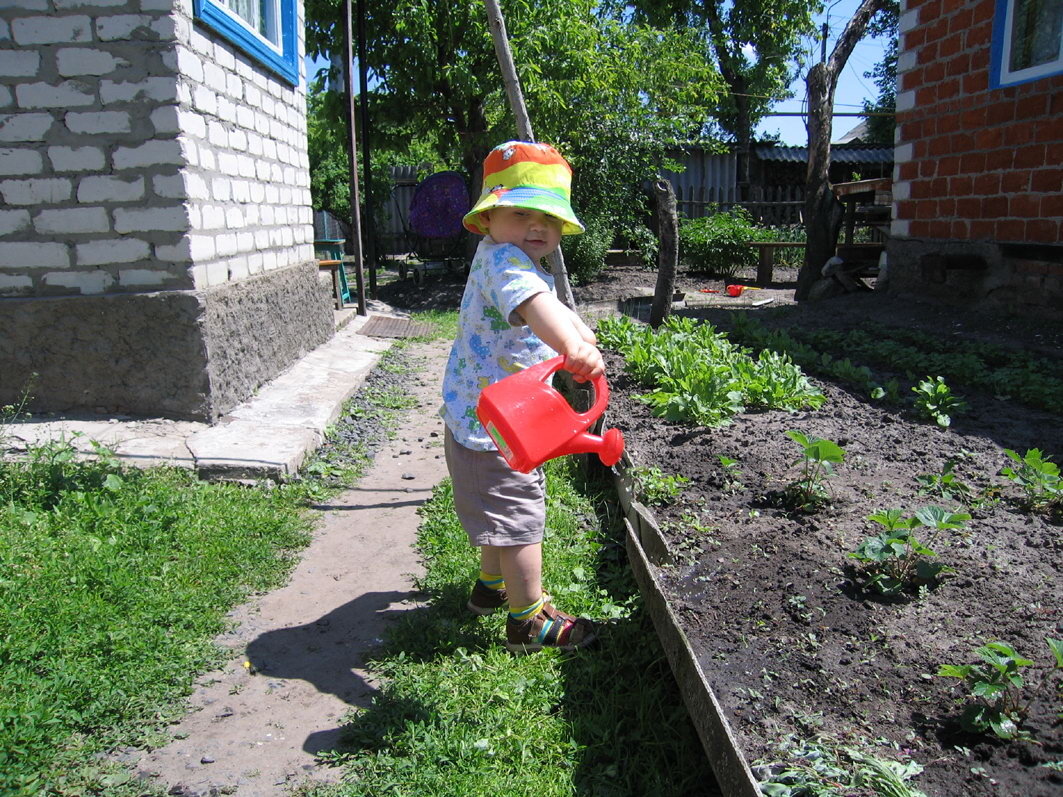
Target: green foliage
point(585, 254)
point(700, 377)
point(996, 689)
point(1037, 475)
point(717, 244)
point(935, 401)
point(818, 457)
point(115, 582)
point(656, 488)
point(948, 486)
point(895, 560)
point(456, 714)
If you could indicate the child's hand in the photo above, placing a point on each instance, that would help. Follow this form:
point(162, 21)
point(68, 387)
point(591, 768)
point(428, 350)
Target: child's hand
point(584, 361)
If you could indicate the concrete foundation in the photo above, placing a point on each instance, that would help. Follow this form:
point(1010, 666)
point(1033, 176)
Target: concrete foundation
point(188, 355)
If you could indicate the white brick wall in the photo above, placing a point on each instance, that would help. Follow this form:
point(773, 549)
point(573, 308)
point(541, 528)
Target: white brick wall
point(138, 151)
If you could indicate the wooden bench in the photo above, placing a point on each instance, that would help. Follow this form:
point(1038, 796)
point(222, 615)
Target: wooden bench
point(766, 261)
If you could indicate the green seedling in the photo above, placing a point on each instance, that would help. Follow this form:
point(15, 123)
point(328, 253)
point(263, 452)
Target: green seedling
point(1037, 475)
point(656, 488)
point(935, 401)
point(996, 689)
point(896, 559)
point(732, 474)
point(818, 457)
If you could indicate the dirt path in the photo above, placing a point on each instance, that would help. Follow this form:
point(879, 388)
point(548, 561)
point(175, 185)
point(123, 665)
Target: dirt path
point(253, 730)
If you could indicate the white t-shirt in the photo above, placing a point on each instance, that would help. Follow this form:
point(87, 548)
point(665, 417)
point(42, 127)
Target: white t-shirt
point(493, 341)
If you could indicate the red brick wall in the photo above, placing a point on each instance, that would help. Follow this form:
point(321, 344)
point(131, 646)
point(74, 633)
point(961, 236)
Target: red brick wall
point(974, 163)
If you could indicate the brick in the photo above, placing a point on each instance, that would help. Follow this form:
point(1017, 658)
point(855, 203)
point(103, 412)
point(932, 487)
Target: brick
point(98, 122)
point(1031, 107)
point(86, 282)
point(994, 207)
point(106, 188)
point(919, 229)
point(174, 253)
point(143, 277)
point(80, 61)
point(20, 161)
point(71, 220)
point(51, 30)
point(117, 250)
point(969, 207)
point(946, 206)
point(958, 230)
point(939, 228)
point(1047, 181)
point(960, 185)
point(36, 254)
point(1024, 206)
point(157, 89)
point(15, 285)
point(77, 159)
point(972, 162)
point(19, 63)
point(1012, 181)
point(975, 82)
point(169, 219)
point(125, 27)
point(68, 94)
point(36, 191)
point(1041, 231)
point(982, 229)
point(1030, 157)
point(14, 221)
point(24, 126)
point(153, 153)
point(1009, 230)
point(926, 209)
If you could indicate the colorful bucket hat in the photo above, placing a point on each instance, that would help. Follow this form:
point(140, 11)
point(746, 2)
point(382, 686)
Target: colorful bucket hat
point(520, 174)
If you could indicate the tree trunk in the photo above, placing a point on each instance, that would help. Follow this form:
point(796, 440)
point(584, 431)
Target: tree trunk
point(823, 213)
point(667, 254)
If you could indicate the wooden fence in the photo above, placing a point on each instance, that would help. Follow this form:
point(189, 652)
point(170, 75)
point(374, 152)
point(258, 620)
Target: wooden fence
point(775, 205)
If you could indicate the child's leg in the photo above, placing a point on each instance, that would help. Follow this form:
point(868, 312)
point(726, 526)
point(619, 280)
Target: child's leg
point(522, 568)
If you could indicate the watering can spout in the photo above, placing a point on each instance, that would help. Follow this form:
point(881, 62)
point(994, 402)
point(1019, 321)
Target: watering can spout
point(609, 447)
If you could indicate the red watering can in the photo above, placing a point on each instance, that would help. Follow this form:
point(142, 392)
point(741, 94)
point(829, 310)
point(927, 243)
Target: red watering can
point(531, 422)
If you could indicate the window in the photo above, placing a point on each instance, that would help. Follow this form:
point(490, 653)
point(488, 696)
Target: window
point(1027, 41)
point(264, 29)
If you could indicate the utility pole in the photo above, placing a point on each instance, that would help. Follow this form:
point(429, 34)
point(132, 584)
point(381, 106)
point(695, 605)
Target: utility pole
point(363, 107)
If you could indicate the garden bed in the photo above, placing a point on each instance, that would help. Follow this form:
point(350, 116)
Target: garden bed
point(804, 657)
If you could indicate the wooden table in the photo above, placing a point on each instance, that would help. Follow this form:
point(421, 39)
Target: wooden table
point(334, 267)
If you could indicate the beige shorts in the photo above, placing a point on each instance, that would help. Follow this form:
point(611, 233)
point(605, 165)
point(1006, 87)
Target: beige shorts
point(495, 504)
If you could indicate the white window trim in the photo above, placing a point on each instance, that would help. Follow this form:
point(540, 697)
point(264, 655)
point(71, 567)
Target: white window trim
point(282, 58)
point(999, 73)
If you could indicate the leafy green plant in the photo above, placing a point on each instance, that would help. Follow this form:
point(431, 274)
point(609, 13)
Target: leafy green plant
point(585, 254)
point(936, 401)
point(9, 413)
point(947, 485)
point(655, 488)
point(1037, 475)
point(732, 473)
point(699, 376)
point(717, 244)
point(818, 457)
point(997, 706)
point(896, 559)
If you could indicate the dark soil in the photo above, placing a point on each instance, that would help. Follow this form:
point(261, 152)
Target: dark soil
point(774, 610)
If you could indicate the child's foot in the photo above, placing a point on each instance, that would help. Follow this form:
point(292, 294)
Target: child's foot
point(548, 628)
point(485, 600)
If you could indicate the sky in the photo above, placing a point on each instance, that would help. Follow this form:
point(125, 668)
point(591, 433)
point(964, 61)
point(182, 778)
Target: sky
point(853, 88)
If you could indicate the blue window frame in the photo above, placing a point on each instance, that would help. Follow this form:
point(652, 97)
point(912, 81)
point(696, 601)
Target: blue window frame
point(264, 29)
point(1027, 41)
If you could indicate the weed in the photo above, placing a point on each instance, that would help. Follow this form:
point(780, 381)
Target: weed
point(9, 413)
point(1037, 475)
point(818, 457)
point(996, 689)
point(895, 559)
point(935, 401)
point(732, 474)
point(655, 488)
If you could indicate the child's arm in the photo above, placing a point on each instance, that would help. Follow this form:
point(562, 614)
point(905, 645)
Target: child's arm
point(563, 331)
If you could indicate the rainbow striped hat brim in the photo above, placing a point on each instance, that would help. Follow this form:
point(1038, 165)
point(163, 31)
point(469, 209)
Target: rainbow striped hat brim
point(520, 174)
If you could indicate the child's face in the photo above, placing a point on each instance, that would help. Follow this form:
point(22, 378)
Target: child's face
point(537, 234)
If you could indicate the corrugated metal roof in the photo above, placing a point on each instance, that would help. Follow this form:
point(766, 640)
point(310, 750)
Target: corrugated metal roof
point(837, 154)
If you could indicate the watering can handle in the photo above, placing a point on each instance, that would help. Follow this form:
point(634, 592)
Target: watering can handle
point(601, 389)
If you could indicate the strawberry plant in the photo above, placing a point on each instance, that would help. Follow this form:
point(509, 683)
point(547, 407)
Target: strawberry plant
point(895, 559)
point(818, 457)
point(997, 706)
point(935, 400)
point(1037, 475)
